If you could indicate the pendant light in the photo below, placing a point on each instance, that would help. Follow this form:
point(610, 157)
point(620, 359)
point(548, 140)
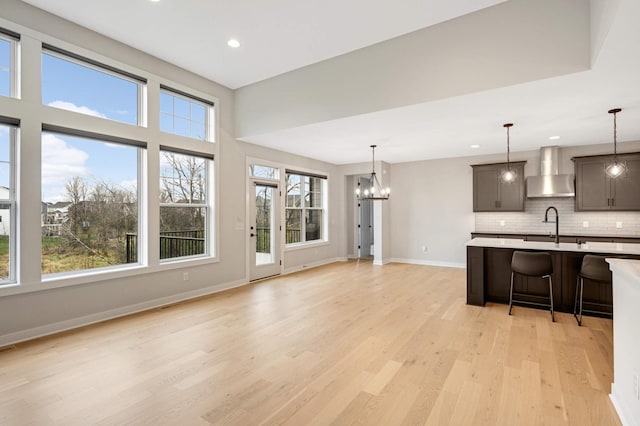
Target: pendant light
point(615, 168)
point(508, 175)
point(375, 191)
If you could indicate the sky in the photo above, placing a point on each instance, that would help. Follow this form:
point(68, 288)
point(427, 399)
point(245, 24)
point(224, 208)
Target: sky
point(4, 68)
point(74, 87)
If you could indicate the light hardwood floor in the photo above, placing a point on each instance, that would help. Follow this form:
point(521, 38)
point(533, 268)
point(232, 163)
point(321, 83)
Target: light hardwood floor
point(347, 343)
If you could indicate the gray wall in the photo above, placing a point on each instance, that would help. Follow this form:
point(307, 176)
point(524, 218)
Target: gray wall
point(460, 56)
point(431, 205)
point(53, 306)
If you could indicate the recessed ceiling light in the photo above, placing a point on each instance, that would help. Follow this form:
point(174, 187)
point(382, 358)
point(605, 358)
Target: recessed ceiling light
point(233, 43)
point(155, 1)
point(553, 138)
point(475, 146)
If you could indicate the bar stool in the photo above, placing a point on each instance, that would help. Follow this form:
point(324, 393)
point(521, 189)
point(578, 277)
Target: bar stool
point(593, 268)
point(532, 264)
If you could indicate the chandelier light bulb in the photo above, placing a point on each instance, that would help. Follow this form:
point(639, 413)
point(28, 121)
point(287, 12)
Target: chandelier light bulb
point(508, 176)
point(615, 168)
point(375, 191)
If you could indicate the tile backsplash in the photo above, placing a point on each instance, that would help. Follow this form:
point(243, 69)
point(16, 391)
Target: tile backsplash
point(571, 222)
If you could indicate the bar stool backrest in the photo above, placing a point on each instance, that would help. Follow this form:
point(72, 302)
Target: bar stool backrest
point(595, 268)
point(532, 264)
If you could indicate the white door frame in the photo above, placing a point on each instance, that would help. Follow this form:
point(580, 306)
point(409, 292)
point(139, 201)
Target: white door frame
point(259, 271)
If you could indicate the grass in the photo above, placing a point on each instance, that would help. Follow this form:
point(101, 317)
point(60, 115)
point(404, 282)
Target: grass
point(56, 257)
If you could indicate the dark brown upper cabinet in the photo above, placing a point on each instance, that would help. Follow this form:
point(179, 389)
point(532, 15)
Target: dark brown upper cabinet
point(595, 191)
point(490, 194)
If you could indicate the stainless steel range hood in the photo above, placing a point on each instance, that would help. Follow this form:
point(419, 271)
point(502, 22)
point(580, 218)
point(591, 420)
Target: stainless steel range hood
point(550, 183)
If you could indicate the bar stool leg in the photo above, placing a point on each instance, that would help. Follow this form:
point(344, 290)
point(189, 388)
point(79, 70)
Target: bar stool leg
point(553, 318)
point(511, 294)
point(581, 294)
point(575, 303)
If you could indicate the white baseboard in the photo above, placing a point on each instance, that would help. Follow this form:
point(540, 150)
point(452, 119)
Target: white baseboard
point(314, 264)
point(45, 330)
point(430, 263)
point(619, 408)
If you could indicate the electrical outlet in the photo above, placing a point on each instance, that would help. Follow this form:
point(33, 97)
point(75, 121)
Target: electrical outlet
point(502, 223)
point(185, 276)
point(618, 225)
point(424, 249)
point(585, 223)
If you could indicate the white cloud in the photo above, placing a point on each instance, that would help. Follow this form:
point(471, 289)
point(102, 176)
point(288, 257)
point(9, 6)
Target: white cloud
point(73, 107)
point(60, 163)
point(121, 112)
point(130, 185)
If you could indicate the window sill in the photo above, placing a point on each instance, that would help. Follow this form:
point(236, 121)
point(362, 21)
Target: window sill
point(87, 277)
point(302, 246)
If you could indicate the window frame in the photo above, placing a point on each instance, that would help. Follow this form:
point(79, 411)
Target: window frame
point(14, 42)
point(209, 112)
point(91, 64)
point(142, 243)
point(209, 205)
point(14, 135)
point(324, 239)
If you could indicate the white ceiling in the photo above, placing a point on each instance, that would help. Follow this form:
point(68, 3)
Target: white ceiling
point(276, 36)
point(282, 35)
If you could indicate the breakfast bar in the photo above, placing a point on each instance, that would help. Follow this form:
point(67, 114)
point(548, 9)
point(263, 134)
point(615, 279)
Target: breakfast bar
point(489, 270)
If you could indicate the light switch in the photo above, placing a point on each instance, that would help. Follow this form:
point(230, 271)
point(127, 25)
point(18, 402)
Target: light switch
point(502, 223)
point(618, 225)
point(585, 223)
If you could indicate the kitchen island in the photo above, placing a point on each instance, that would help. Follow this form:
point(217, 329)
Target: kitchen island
point(489, 270)
point(625, 392)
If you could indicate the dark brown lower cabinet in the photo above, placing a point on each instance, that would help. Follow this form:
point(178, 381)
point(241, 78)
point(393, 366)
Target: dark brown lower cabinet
point(489, 278)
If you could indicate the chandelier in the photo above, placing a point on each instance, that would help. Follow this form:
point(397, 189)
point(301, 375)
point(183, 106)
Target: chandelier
point(508, 175)
point(375, 191)
point(615, 168)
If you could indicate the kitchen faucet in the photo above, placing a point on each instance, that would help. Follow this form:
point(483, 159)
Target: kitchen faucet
point(557, 221)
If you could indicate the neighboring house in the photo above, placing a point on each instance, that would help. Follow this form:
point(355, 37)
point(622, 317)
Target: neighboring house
point(57, 212)
point(54, 214)
point(5, 214)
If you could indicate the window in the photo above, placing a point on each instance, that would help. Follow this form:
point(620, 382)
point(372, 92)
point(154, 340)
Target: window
point(184, 203)
point(304, 208)
point(184, 115)
point(264, 172)
point(7, 203)
point(7, 62)
point(90, 193)
point(81, 85)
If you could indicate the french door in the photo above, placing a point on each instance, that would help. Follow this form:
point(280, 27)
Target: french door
point(264, 230)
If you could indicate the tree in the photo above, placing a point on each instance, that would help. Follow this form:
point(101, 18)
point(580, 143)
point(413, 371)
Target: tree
point(182, 184)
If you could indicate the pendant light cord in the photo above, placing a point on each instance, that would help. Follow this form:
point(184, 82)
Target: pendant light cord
point(508, 149)
point(615, 136)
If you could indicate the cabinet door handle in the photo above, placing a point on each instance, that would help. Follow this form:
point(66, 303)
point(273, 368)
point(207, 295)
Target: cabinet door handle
point(608, 202)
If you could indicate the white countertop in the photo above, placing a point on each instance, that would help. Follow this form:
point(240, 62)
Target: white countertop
point(628, 266)
point(591, 247)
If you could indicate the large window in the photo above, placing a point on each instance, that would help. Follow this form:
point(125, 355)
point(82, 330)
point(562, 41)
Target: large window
point(81, 85)
point(90, 193)
point(7, 203)
point(184, 115)
point(184, 203)
point(7, 63)
point(304, 208)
